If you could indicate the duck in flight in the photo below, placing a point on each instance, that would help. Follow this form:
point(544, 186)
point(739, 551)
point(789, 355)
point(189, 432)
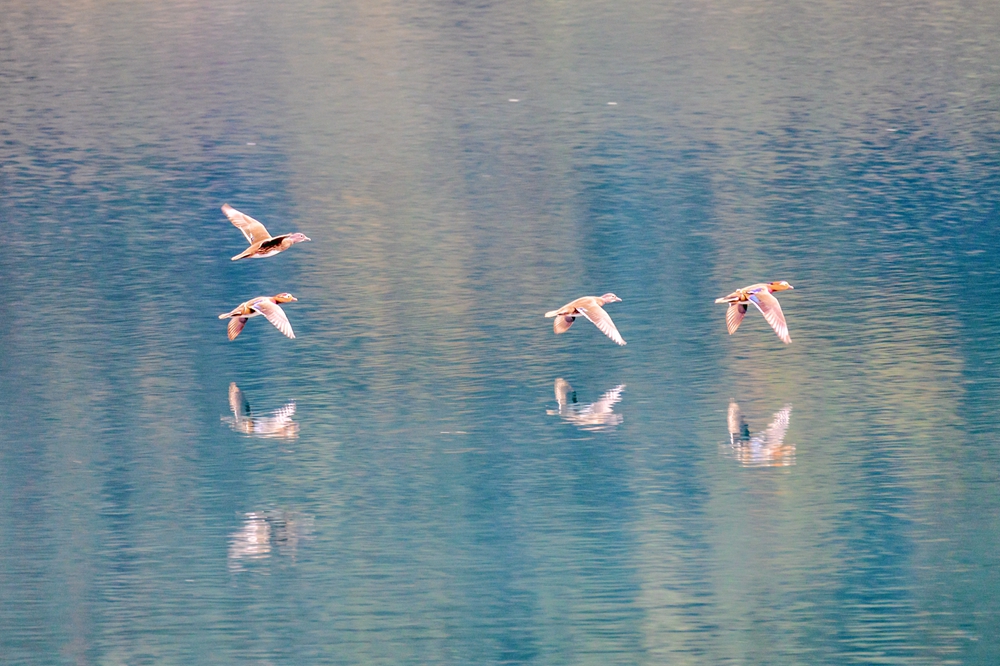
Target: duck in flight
point(589, 307)
point(262, 305)
point(262, 244)
point(760, 295)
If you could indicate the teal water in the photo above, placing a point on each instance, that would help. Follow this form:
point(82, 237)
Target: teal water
point(427, 474)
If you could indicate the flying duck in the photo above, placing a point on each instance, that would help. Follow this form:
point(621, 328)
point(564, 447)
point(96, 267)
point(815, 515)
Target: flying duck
point(589, 307)
point(262, 244)
point(262, 305)
point(760, 295)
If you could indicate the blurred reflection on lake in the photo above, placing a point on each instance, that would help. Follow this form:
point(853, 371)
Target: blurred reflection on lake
point(766, 448)
point(260, 532)
point(595, 416)
point(278, 424)
point(461, 169)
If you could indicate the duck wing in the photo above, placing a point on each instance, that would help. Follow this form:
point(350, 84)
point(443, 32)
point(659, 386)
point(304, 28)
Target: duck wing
point(251, 228)
point(275, 315)
point(562, 323)
point(236, 325)
point(734, 315)
point(771, 309)
point(599, 318)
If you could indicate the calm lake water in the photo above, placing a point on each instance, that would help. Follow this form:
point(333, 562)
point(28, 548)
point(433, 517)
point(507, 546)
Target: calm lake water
point(426, 474)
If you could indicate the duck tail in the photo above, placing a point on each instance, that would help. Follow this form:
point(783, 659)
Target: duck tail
point(245, 253)
point(553, 313)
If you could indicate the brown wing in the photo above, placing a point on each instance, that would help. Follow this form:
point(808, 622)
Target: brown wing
point(236, 325)
point(562, 323)
point(275, 315)
point(251, 228)
point(597, 316)
point(734, 315)
point(771, 309)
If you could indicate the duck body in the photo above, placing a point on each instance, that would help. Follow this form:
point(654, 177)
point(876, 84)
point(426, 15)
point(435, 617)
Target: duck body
point(262, 244)
point(261, 305)
point(760, 295)
point(589, 307)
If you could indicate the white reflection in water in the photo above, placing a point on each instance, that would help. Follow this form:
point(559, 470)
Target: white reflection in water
point(762, 449)
point(594, 416)
point(265, 531)
point(278, 424)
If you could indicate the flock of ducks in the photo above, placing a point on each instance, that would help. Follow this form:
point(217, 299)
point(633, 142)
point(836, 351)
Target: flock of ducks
point(262, 244)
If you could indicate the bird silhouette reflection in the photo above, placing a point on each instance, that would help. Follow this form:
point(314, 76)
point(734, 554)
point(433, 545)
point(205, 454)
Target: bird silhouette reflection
point(277, 424)
point(766, 448)
point(265, 532)
point(594, 416)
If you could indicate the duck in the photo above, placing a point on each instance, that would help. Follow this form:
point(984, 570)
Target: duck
point(262, 244)
point(261, 305)
point(760, 295)
point(589, 307)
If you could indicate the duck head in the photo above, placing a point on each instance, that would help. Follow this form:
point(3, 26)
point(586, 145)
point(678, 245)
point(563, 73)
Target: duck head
point(779, 286)
point(610, 298)
point(284, 297)
point(298, 237)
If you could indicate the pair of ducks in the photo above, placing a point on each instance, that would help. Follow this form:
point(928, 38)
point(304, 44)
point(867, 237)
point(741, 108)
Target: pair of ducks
point(739, 301)
point(262, 244)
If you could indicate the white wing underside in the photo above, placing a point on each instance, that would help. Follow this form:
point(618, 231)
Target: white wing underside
point(276, 316)
point(599, 318)
point(771, 309)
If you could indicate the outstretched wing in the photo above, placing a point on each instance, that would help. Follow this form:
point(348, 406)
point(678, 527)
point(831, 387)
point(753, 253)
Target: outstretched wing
point(734, 315)
point(599, 318)
point(275, 315)
point(251, 228)
point(771, 309)
point(236, 325)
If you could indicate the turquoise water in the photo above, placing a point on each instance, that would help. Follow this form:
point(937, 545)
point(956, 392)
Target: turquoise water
point(427, 474)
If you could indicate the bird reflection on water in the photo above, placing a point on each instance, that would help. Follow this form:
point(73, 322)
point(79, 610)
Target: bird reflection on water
point(762, 449)
point(264, 531)
point(278, 424)
point(595, 416)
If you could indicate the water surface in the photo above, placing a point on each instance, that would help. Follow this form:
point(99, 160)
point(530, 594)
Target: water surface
point(427, 474)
